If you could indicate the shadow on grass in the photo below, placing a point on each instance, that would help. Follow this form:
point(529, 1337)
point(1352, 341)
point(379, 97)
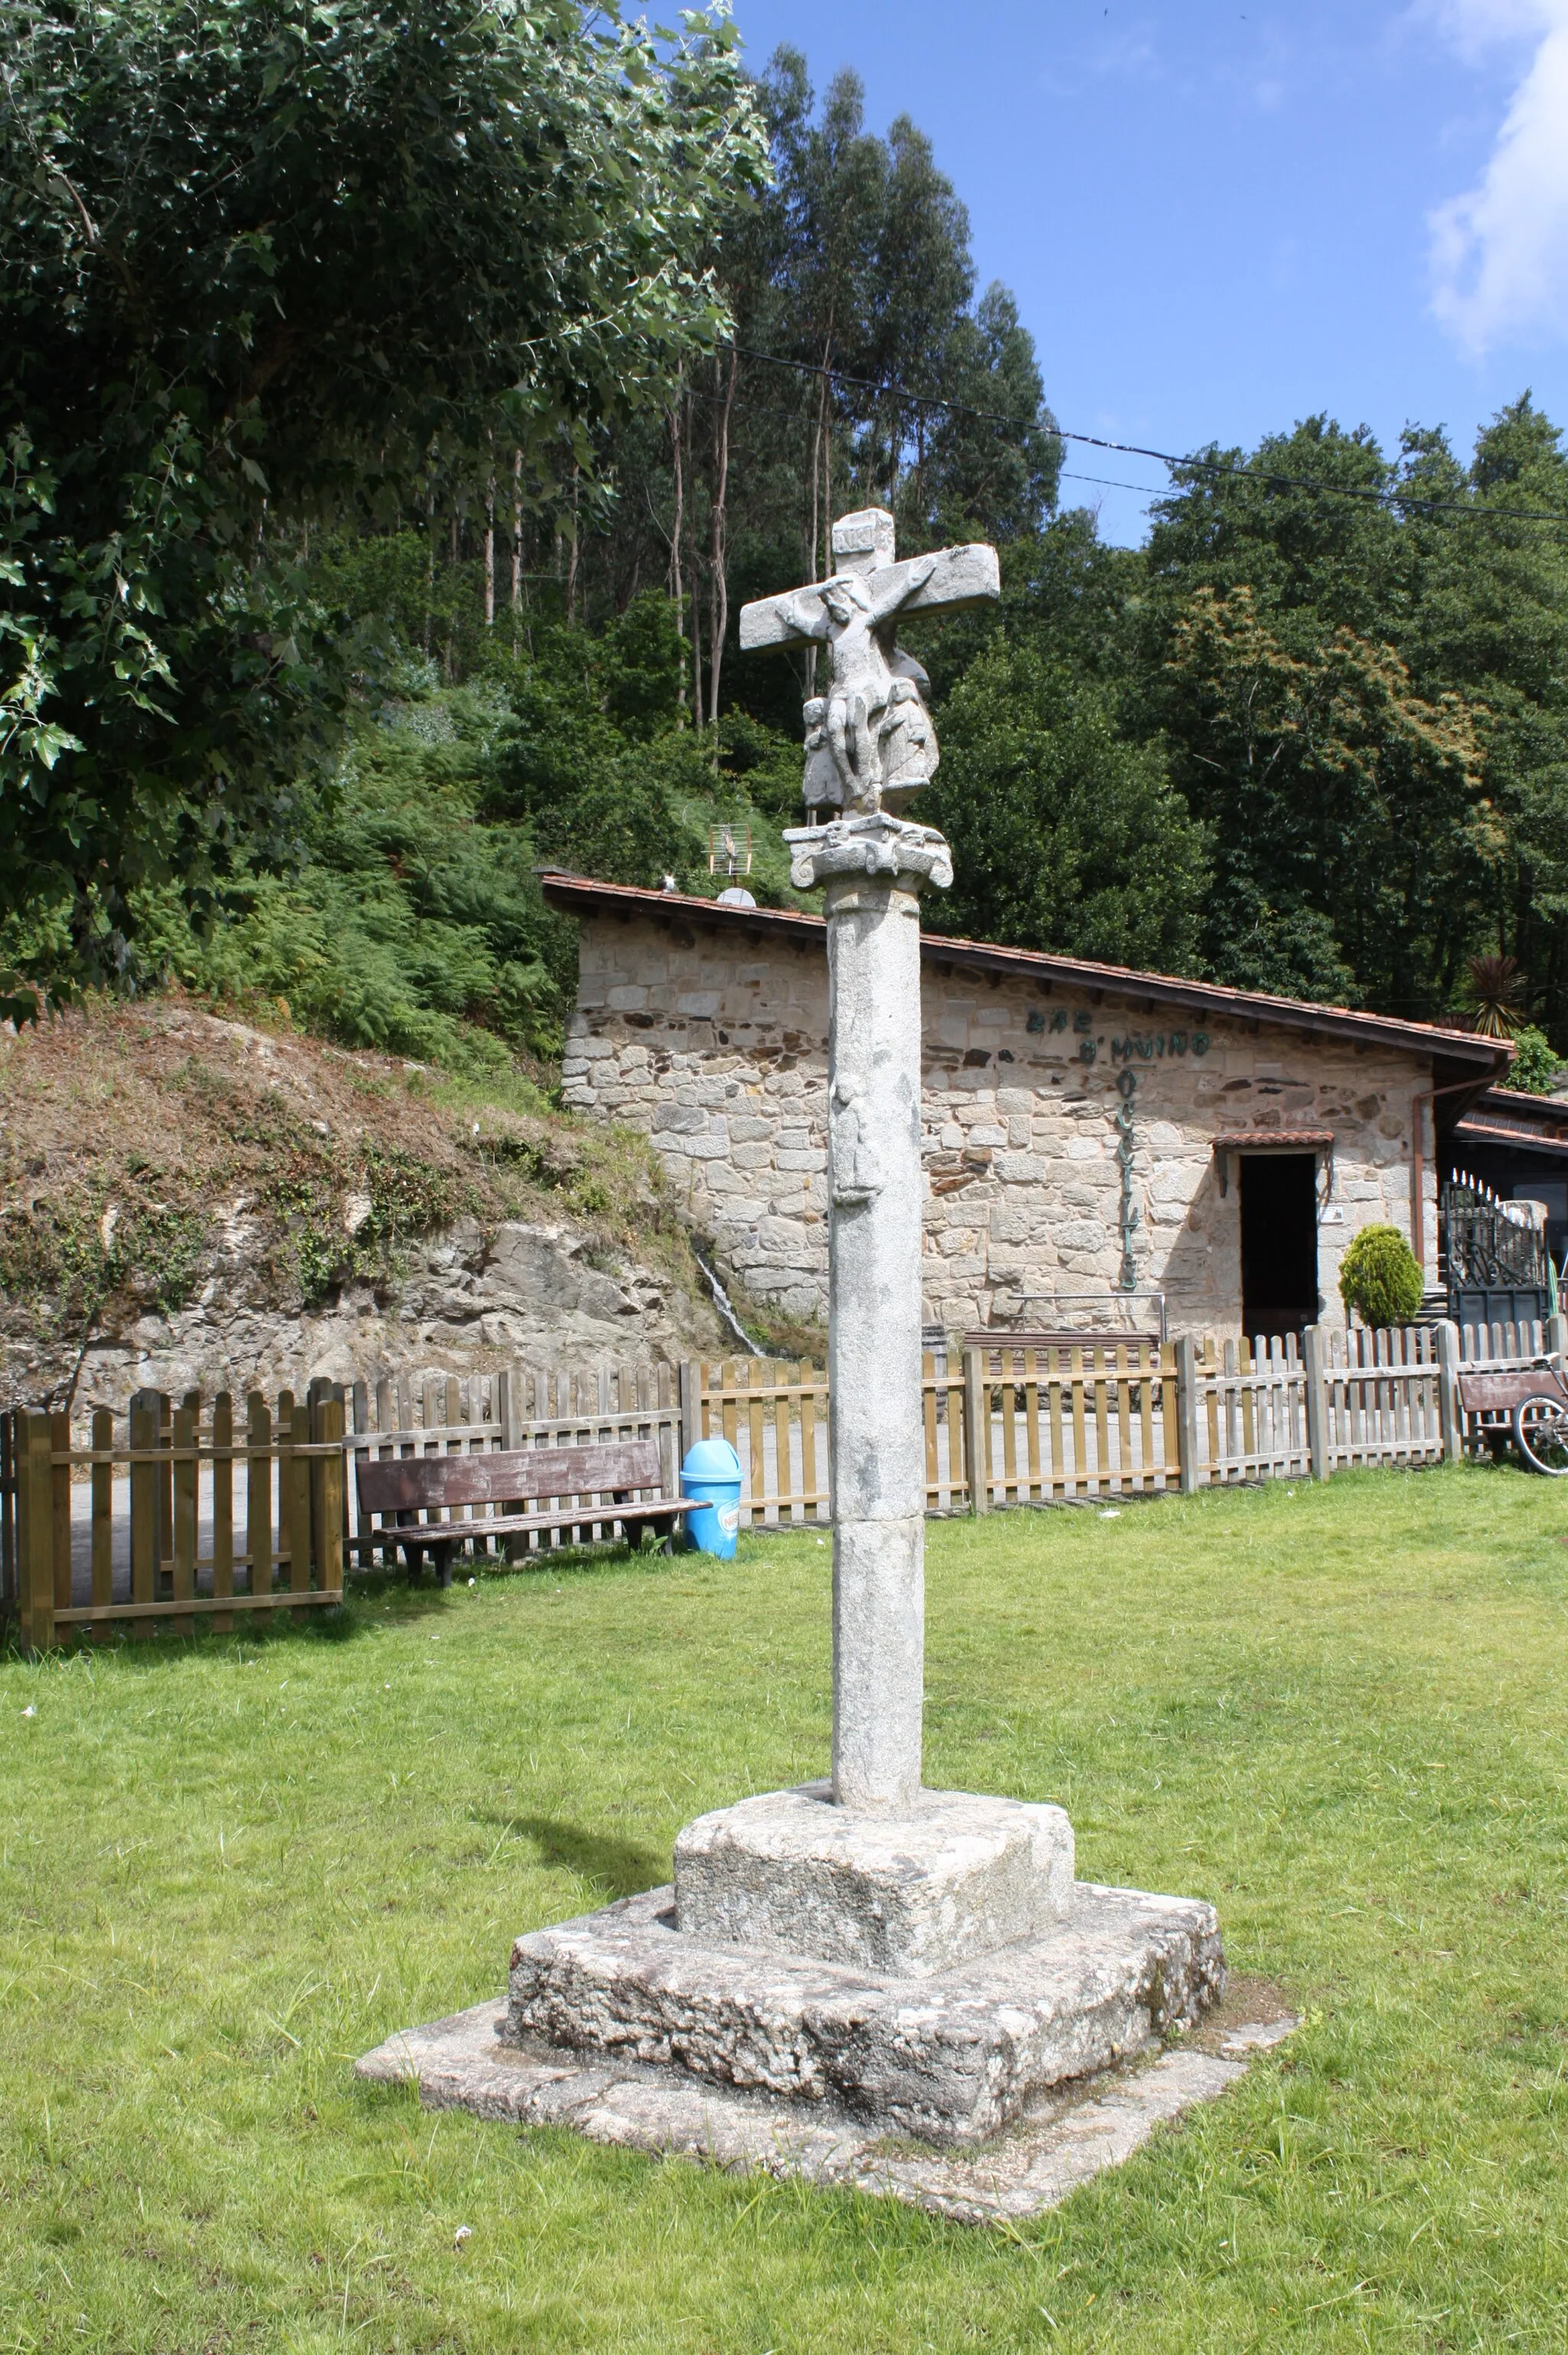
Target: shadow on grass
point(368, 1597)
point(620, 1868)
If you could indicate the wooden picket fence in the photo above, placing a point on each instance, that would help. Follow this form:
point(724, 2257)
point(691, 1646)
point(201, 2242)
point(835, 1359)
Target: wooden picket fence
point(163, 1528)
point(166, 1548)
point(1060, 1422)
point(157, 1538)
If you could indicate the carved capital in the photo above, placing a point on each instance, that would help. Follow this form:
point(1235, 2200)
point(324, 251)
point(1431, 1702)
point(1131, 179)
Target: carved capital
point(878, 846)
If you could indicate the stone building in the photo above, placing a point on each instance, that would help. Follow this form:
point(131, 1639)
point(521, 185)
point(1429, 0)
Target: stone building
point(1092, 1135)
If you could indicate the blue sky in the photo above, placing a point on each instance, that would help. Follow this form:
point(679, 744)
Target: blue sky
point(1219, 218)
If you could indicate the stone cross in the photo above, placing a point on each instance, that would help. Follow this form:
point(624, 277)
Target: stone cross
point(869, 743)
point(872, 739)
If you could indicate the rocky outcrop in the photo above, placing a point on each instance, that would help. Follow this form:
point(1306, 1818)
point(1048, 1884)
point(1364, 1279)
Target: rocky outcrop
point(469, 1301)
point(191, 1203)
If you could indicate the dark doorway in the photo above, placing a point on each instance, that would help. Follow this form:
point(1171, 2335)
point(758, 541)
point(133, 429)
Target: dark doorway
point(1279, 1243)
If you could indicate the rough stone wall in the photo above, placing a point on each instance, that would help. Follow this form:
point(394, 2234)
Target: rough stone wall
point(714, 1043)
point(470, 1301)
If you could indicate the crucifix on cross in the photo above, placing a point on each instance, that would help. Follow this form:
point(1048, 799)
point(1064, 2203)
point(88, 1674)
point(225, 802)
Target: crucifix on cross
point(869, 743)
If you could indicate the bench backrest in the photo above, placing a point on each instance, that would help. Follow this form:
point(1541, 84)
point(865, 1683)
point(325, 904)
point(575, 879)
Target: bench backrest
point(415, 1483)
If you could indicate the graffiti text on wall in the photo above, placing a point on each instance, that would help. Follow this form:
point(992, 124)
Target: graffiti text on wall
point(1133, 1047)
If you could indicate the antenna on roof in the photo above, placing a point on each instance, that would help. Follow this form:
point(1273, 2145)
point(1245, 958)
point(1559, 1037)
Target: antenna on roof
point(726, 855)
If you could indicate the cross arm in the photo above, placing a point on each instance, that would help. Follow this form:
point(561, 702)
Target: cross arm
point(960, 577)
point(795, 619)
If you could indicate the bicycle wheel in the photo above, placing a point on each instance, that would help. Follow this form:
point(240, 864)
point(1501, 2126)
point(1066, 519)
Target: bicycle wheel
point(1540, 1430)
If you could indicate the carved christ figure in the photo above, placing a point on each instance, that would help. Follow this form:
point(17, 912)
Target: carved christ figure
point(871, 691)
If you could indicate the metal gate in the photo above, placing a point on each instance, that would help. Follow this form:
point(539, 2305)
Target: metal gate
point(1496, 1259)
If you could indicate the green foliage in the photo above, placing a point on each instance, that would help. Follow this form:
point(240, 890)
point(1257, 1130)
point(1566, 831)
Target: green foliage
point(66, 1257)
point(412, 925)
point(210, 224)
point(1306, 742)
point(1064, 836)
point(1537, 1066)
point(1379, 1278)
point(1364, 701)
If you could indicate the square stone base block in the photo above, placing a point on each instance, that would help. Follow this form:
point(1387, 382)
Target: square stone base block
point(789, 1874)
point(951, 2056)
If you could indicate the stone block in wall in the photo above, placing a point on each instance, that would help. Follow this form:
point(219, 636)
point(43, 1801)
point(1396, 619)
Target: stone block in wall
point(1021, 1169)
point(1079, 1235)
point(745, 1209)
point(776, 1235)
point(697, 1148)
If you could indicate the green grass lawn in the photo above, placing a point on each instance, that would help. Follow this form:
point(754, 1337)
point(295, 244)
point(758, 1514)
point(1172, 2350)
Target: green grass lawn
point(225, 1869)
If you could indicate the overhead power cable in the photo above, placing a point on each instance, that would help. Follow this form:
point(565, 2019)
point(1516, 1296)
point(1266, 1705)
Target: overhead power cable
point(1025, 426)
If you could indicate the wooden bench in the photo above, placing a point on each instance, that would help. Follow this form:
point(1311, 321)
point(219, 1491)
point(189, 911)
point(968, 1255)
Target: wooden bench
point(621, 1481)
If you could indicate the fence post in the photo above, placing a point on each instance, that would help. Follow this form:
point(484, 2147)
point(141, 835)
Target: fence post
point(8, 1512)
point(690, 1407)
point(977, 1429)
point(143, 1437)
point(35, 1529)
point(1557, 1339)
point(1317, 1402)
point(1449, 1417)
point(1187, 1409)
point(327, 1417)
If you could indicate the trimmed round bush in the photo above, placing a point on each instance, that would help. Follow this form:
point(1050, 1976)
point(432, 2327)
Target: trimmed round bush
point(1379, 1277)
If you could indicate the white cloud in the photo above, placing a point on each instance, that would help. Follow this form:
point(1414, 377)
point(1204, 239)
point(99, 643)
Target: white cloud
point(1500, 253)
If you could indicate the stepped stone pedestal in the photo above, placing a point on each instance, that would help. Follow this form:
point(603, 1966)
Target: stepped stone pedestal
point(930, 1970)
point(952, 2055)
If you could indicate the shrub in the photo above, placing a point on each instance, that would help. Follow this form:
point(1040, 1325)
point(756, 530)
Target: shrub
point(1379, 1278)
point(1537, 1066)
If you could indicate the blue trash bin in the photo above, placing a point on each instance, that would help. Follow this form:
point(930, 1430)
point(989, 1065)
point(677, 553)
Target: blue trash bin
point(712, 1472)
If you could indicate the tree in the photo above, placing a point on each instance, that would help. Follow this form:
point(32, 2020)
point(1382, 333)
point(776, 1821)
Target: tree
point(851, 283)
point(1338, 798)
point(1064, 836)
point(268, 265)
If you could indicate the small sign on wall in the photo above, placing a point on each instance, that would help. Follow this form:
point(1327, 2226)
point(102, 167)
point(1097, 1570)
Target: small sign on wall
point(1332, 1215)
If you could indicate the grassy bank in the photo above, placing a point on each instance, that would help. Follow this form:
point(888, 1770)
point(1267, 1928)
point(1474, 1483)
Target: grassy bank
point(225, 1870)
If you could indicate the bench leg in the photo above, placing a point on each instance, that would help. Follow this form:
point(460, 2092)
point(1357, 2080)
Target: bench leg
point(413, 1560)
point(444, 1555)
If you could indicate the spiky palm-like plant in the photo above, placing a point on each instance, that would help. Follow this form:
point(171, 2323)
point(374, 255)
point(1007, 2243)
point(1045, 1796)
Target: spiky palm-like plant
point(1495, 996)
